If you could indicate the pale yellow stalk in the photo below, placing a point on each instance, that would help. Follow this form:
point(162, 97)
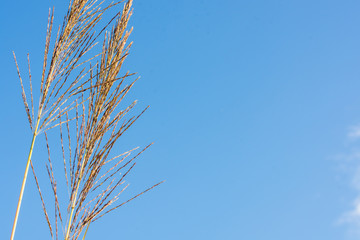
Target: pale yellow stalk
point(73, 206)
point(24, 181)
point(87, 228)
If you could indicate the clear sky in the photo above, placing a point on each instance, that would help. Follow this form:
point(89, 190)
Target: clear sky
point(255, 112)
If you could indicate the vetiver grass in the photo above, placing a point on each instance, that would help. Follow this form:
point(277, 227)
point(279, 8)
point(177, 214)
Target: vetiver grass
point(85, 91)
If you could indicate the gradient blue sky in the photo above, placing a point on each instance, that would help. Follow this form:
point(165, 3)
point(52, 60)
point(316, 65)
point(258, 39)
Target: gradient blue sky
point(255, 108)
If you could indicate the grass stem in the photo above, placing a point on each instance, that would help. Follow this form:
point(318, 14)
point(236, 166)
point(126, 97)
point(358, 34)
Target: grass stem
point(87, 228)
point(74, 203)
point(24, 181)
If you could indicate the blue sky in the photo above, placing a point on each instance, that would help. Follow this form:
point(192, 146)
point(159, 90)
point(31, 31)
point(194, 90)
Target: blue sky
point(255, 112)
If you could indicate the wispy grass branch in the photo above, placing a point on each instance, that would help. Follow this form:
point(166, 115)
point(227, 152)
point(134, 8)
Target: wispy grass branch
point(84, 92)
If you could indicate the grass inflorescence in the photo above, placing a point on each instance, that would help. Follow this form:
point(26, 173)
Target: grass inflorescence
point(81, 95)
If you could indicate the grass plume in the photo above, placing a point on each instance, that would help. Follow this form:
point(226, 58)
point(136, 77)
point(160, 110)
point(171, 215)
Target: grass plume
point(86, 91)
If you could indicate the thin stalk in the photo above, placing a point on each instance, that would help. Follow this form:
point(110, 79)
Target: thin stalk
point(87, 228)
point(24, 181)
point(74, 202)
point(71, 215)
